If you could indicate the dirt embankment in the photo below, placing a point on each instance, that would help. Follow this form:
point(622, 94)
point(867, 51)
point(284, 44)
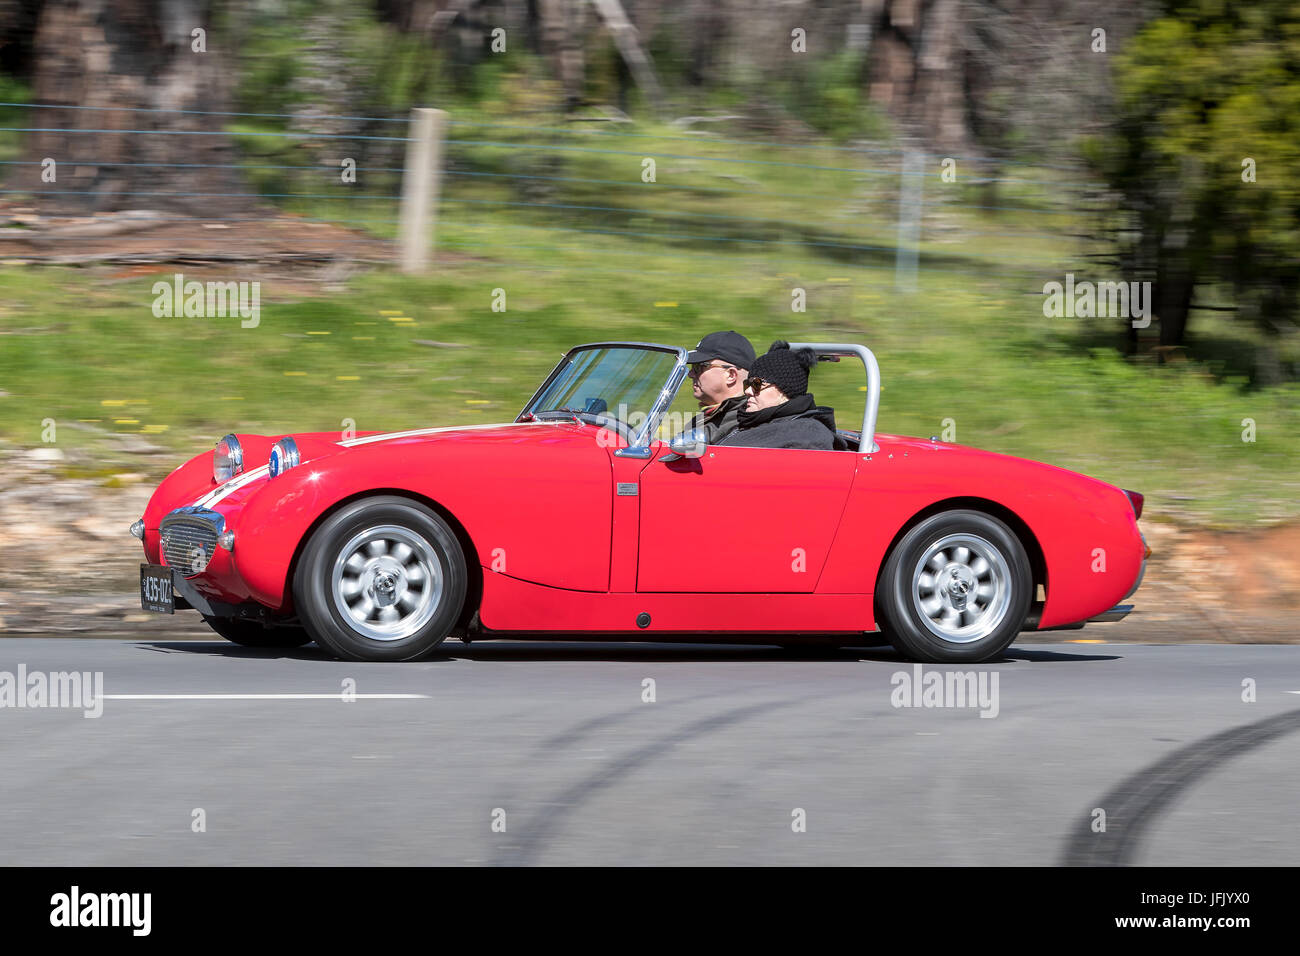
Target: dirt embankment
point(1237, 587)
point(159, 236)
point(69, 565)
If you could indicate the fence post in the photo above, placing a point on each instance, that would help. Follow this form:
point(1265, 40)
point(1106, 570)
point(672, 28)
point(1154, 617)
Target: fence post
point(420, 184)
point(910, 177)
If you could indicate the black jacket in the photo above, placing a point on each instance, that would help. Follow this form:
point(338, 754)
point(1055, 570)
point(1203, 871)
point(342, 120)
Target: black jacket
point(720, 420)
point(798, 423)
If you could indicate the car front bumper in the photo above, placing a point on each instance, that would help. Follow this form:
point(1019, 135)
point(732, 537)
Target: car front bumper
point(1117, 613)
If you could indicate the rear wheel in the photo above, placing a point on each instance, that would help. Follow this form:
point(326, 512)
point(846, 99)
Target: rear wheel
point(382, 579)
point(956, 589)
point(253, 634)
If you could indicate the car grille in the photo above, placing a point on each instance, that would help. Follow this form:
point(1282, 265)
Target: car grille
point(188, 540)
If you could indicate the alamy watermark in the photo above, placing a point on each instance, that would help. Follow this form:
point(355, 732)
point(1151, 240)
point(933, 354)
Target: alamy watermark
point(76, 909)
point(208, 300)
point(949, 689)
point(57, 689)
point(1084, 299)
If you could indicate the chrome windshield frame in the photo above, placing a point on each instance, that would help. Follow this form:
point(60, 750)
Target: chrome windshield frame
point(639, 446)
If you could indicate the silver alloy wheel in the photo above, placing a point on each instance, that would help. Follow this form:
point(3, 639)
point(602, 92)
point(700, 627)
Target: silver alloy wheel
point(387, 582)
point(961, 588)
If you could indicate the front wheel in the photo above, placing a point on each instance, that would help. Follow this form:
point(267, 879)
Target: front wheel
point(382, 579)
point(956, 589)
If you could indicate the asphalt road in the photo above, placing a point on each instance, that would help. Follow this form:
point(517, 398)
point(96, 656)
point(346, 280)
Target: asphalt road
point(713, 771)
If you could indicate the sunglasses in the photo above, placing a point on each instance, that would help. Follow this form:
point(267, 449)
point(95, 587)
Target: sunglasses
point(699, 368)
point(756, 385)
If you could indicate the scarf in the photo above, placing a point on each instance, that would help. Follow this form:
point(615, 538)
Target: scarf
point(795, 406)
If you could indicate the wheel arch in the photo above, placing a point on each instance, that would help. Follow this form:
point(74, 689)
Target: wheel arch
point(474, 589)
point(1018, 526)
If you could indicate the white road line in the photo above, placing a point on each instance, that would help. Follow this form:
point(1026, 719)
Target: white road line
point(266, 697)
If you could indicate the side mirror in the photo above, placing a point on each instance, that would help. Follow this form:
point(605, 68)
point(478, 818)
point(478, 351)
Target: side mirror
point(688, 444)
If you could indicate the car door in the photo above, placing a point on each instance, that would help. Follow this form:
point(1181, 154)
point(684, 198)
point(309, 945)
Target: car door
point(740, 520)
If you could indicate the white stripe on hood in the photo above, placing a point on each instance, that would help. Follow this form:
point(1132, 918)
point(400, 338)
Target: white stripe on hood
point(247, 478)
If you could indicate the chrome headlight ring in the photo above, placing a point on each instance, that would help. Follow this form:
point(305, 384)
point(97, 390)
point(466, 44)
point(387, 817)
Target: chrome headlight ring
point(284, 455)
point(227, 459)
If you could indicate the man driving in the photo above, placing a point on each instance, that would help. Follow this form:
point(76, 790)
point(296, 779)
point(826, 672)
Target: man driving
point(719, 366)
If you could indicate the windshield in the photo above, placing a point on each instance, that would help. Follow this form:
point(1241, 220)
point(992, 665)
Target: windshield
point(615, 382)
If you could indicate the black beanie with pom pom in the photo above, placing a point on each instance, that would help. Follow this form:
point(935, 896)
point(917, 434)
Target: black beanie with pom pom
point(784, 368)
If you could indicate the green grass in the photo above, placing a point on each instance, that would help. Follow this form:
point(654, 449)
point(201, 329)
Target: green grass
point(81, 347)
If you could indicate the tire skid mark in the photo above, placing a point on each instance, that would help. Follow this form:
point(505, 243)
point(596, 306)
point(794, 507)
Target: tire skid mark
point(1137, 801)
point(576, 733)
point(575, 796)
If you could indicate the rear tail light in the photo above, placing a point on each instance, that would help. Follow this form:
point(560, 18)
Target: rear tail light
point(1135, 500)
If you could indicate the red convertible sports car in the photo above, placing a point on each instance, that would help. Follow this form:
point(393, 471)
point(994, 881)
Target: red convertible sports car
point(576, 519)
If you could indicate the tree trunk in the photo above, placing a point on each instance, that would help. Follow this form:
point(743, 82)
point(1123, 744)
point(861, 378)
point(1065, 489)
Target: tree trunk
point(1172, 290)
point(917, 70)
point(564, 35)
point(129, 53)
point(940, 95)
point(17, 27)
point(629, 47)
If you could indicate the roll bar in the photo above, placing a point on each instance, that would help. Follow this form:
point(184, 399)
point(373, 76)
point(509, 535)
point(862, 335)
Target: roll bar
point(833, 352)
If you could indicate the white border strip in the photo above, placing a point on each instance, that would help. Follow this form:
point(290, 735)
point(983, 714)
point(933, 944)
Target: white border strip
point(342, 697)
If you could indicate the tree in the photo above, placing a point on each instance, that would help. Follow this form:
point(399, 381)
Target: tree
point(122, 58)
point(1205, 153)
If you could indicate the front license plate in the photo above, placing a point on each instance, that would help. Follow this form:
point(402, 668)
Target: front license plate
point(156, 589)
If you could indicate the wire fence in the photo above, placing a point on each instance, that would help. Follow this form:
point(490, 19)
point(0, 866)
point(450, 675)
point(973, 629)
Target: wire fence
point(545, 197)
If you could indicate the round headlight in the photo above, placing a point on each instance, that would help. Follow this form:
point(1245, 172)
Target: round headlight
point(227, 460)
point(284, 455)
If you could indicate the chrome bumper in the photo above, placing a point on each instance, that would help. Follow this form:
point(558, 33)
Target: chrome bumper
point(1121, 611)
point(1117, 613)
point(1142, 570)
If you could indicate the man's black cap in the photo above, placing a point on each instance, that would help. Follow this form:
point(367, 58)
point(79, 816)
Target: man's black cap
point(730, 347)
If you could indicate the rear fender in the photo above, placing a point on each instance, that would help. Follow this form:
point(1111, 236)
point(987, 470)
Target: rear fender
point(1091, 549)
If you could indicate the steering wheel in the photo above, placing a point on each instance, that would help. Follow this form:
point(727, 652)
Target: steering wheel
point(609, 421)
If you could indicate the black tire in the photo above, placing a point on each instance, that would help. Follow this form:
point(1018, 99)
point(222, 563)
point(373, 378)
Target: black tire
point(902, 586)
point(438, 594)
point(253, 634)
